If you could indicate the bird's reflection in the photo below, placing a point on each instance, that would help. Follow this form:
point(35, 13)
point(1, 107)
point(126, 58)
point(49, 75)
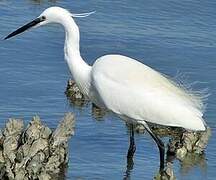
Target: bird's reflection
point(187, 163)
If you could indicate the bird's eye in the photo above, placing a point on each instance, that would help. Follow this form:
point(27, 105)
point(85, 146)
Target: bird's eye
point(43, 17)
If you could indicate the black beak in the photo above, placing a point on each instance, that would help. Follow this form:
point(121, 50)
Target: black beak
point(25, 27)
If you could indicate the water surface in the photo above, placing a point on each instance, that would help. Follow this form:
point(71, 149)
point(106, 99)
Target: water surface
point(170, 36)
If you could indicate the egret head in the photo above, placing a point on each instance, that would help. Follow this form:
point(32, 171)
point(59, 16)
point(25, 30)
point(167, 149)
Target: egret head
point(49, 15)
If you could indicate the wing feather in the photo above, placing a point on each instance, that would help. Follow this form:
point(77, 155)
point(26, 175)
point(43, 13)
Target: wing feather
point(132, 89)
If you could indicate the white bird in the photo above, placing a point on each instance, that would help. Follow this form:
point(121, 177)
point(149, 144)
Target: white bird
point(135, 92)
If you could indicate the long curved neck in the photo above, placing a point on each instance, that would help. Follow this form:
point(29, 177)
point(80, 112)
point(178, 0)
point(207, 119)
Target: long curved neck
point(79, 69)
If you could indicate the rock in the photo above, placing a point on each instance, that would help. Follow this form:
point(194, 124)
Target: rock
point(189, 139)
point(202, 141)
point(54, 162)
point(167, 174)
point(13, 128)
point(2, 165)
point(2, 160)
point(64, 130)
point(33, 130)
point(173, 145)
point(21, 175)
point(169, 171)
point(74, 94)
point(196, 141)
point(181, 152)
point(188, 142)
point(35, 152)
point(1, 138)
point(98, 112)
point(11, 140)
point(36, 164)
point(10, 145)
point(76, 98)
point(11, 134)
point(139, 128)
point(44, 176)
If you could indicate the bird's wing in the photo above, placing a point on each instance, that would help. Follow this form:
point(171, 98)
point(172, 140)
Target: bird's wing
point(132, 89)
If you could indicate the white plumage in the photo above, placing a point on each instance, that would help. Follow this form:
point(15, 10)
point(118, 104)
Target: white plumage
point(132, 90)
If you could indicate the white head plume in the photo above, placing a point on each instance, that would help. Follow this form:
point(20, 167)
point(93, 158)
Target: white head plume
point(82, 14)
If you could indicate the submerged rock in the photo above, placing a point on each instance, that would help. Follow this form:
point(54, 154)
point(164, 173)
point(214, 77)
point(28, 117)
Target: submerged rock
point(167, 174)
point(189, 142)
point(76, 98)
point(35, 152)
point(97, 112)
point(74, 94)
point(202, 141)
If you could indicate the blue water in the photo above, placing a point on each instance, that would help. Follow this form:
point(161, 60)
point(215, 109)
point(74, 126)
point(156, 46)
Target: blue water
point(169, 35)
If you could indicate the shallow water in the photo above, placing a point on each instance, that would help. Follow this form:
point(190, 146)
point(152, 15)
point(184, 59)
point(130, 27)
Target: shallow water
point(170, 36)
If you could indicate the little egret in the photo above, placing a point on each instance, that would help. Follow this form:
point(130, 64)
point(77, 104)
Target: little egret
point(135, 92)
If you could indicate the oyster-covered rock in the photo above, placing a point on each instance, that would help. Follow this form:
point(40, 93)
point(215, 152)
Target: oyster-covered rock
point(35, 152)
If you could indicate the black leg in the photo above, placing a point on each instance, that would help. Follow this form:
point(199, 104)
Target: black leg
point(131, 151)
point(129, 169)
point(160, 145)
point(132, 147)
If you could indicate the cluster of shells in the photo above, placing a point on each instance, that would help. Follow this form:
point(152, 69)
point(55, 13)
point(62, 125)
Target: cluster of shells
point(35, 152)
